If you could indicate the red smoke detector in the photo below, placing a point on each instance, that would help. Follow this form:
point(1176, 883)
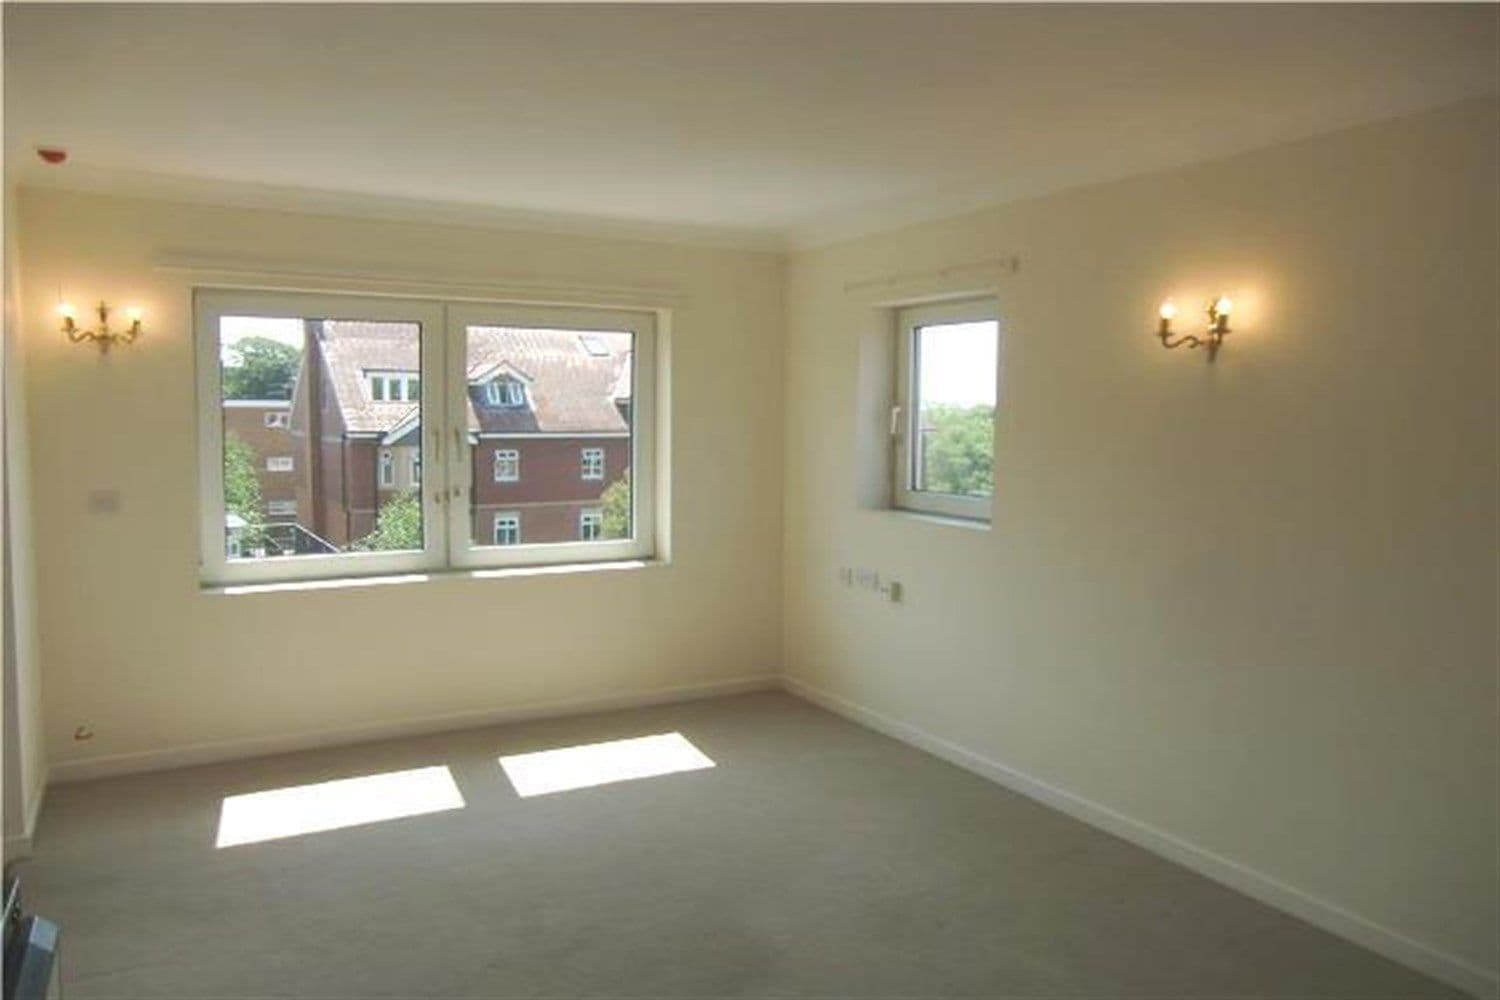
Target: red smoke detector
point(52, 155)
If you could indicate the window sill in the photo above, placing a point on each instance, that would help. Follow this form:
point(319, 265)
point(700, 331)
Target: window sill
point(943, 520)
point(443, 576)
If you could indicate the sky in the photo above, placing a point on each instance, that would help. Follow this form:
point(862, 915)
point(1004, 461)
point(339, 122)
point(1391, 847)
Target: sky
point(958, 363)
point(233, 329)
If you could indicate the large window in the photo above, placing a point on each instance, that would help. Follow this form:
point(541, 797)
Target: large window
point(408, 422)
point(944, 421)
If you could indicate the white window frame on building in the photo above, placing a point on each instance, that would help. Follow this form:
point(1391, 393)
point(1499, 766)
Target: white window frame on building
point(591, 464)
point(393, 387)
point(505, 528)
point(507, 465)
point(446, 443)
point(590, 524)
point(281, 508)
point(280, 419)
point(505, 391)
point(387, 465)
point(281, 463)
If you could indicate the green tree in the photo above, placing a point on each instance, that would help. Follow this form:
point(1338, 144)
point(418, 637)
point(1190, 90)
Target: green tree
point(260, 368)
point(397, 527)
point(615, 506)
point(959, 449)
point(242, 490)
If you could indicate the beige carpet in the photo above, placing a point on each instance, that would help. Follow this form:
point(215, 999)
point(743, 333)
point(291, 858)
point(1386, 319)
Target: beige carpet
point(816, 859)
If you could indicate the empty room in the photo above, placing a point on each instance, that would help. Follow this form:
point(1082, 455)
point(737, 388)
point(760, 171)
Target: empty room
point(857, 501)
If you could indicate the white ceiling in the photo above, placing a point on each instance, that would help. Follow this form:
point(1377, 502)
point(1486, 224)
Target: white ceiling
point(743, 122)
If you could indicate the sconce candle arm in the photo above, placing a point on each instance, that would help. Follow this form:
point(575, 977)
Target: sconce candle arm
point(1186, 340)
point(1213, 337)
point(103, 336)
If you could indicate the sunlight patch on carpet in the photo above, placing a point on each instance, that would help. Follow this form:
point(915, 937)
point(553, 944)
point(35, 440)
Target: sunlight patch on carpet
point(334, 805)
point(590, 764)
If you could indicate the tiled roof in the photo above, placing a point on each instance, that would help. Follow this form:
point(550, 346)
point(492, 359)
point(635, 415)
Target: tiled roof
point(351, 350)
point(571, 386)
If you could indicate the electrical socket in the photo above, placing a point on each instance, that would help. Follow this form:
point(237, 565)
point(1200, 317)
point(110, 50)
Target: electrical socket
point(104, 501)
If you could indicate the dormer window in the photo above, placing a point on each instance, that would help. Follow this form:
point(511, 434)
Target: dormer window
point(505, 392)
point(394, 387)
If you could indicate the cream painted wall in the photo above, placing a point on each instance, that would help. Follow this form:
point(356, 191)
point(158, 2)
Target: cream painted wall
point(25, 758)
point(1250, 604)
point(137, 653)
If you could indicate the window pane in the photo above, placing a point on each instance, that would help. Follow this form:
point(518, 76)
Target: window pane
point(340, 471)
point(953, 432)
point(549, 428)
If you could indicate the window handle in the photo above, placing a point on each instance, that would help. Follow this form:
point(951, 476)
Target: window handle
point(458, 444)
point(896, 421)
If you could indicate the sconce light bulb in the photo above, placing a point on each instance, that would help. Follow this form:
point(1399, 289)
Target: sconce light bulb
point(1224, 306)
point(1169, 310)
point(66, 311)
point(134, 314)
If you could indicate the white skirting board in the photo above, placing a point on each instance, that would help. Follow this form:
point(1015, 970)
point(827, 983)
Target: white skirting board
point(18, 846)
point(260, 746)
point(1320, 913)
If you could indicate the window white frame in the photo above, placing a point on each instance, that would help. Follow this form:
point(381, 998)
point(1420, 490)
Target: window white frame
point(590, 517)
point(904, 416)
point(507, 465)
point(591, 464)
point(280, 508)
point(211, 304)
point(505, 391)
point(447, 515)
point(279, 419)
point(395, 386)
point(505, 522)
point(281, 463)
point(643, 436)
point(387, 464)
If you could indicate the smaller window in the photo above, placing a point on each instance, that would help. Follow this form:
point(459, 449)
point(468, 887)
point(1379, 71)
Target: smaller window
point(590, 524)
point(593, 463)
point(394, 387)
point(279, 419)
point(505, 392)
point(416, 468)
point(507, 465)
point(387, 469)
point(279, 463)
point(508, 528)
point(281, 508)
point(944, 421)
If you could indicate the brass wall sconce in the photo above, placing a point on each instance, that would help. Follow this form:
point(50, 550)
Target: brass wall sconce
point(1218, 325)
point(103, 336)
